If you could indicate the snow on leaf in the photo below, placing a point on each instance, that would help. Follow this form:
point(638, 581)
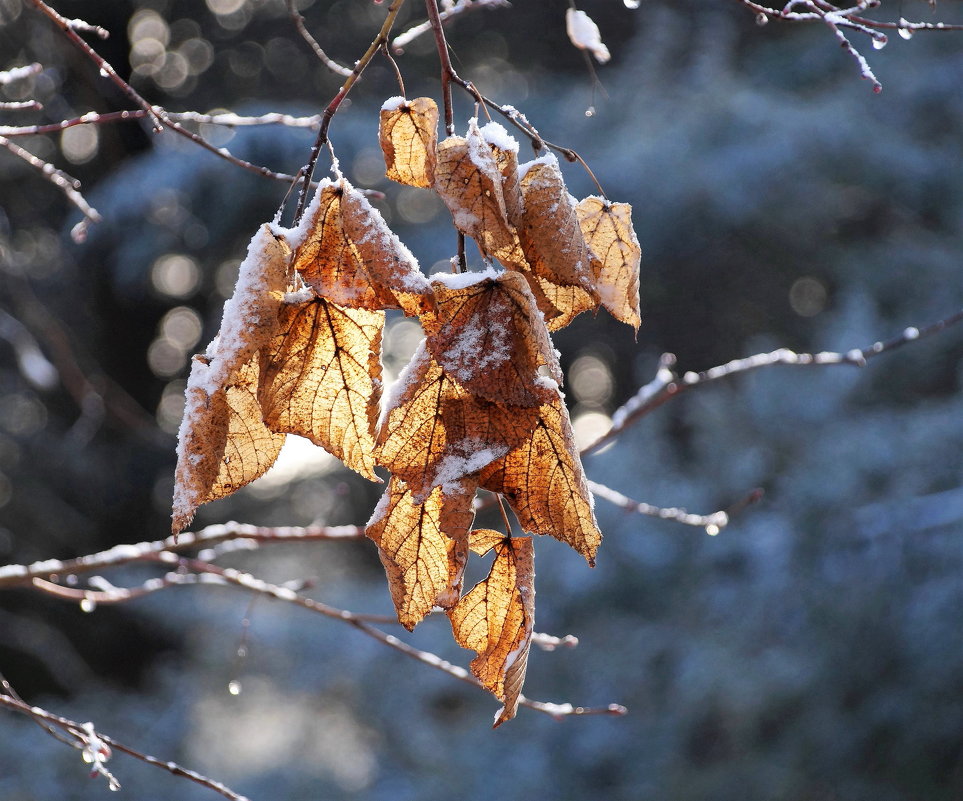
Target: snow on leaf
point(492, 340)
point(409, 137)
point(434, 431)
point(545, 484)
point(469, 182)
point(558, 259)
point(393, 269)
point(326, 258)
point(220, 426)
point(496, 618)
point(423, 547)
point(345, 251)
point(223, 442)
point(321, 378)
point(584, 34)
point(616, 256)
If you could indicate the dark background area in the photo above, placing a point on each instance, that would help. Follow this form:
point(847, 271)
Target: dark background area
point(811, 651)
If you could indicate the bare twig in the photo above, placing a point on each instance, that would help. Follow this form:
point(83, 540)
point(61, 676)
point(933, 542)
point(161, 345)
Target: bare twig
point(323, 57)
point(23, 575)
point(403, 39)
point(65, 183)
point(667, 383)
point(90, 742)
point(712, 523)
point(226, 119)
point(19, 73)
point(850, 17)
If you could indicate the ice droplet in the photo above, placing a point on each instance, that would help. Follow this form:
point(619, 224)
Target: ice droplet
point(879, 42)
point(104, 73)
point(761, 19)
point(712, 529)
point(88, 605)
point(905, 31)
point(590, 111)
point(631, 3)
point(234, 687)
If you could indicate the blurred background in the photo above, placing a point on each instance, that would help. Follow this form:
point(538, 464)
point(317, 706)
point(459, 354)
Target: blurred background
point(810, 652)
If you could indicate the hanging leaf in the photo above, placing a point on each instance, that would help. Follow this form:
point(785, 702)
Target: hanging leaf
point(326, 258)
point(345, 251)
point(409, 137)
point(558, 259)
point(321, 378)
point(545, 484)
point(616, 256)
point(505, 152)
point(469, 182)
point(220, 426)
point(223, 443)
point(497, 617)
point(491, 338)
point(423, 547)
point(434, 432)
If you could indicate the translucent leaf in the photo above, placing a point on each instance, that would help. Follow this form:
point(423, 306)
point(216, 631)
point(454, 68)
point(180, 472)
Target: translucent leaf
point(470, 183)
point(616, 256)
point(409, 137)
point(345, 251)
point(545, 484)
point(423, 547)
point(224, 443)
point(321, 378)
point(559, 269)
point(491, 338)
point(433, 431)
point(497, 617)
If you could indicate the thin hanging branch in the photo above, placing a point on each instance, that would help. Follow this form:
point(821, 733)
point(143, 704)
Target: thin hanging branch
point(305, 34)
point(332, 107)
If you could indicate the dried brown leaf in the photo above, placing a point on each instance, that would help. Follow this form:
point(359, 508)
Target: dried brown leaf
point(616, 256)
point(497, 617)
point(409, 137)
point(223, 442)
point(434, 432)
point(423, 547)
point(545, 484)
point(321, 378)
point(326, 257)
point(219, 425)
point(345, 251)
point(491, 338)
point(558, 260)
point(469, 182)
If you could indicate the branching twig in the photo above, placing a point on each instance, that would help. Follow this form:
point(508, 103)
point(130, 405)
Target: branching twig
point(332, 107)
point(403, 39)
point(845, 17)
point(667, 383)
point(84, 737)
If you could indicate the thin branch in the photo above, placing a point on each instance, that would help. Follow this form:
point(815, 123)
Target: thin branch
point(332, 107)
point(23, 575)
point(323, 57)
point(712, 523)
point(667, 383)
point(65, 183)
point(227, 119)
point(84, 737)
point(159, 116)
point(19, 73)
point(460, 7)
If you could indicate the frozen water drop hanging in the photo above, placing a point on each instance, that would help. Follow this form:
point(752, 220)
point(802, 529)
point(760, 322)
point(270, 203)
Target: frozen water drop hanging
point(631, 3)
point(879, 42)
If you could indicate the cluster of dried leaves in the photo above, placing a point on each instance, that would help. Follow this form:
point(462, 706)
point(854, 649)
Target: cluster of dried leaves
point(478, 406)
